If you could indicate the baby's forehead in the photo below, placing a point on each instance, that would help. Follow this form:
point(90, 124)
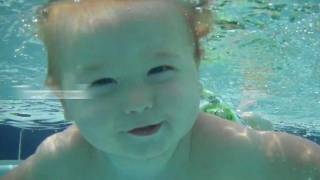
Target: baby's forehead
point(75, 21)
point(139, 19)
point(138, 38)
point(97, 24)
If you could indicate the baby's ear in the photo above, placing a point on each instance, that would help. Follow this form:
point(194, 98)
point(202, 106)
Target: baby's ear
point(204, 21)
point(203, 17)
point(53, 85)
point(50, 83)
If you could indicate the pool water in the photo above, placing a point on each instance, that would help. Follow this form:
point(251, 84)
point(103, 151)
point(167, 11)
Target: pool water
point(263, 57)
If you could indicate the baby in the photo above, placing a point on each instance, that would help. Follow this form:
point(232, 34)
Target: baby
point(136, 63)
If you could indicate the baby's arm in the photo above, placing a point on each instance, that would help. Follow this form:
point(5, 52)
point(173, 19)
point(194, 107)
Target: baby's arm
point(20, 172)
point(29, 169)
point(38, 166)
point(290, 156)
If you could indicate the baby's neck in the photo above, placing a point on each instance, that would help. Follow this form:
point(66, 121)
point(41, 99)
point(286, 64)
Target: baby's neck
point(166, 164)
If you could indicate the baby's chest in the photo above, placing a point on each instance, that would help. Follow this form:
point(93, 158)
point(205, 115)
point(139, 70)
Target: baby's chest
point(228, 166)
point(225, 173)
point(203, 172)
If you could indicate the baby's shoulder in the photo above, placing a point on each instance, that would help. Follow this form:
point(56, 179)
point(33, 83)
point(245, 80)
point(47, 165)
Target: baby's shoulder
point(227, 149)
point(265, 152)
point(218, 130)
point(52, 159)
point(60, 143)
point(222, 136)
point(62, 150)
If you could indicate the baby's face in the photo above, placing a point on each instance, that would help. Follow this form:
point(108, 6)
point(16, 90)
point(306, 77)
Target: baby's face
point(138, 70)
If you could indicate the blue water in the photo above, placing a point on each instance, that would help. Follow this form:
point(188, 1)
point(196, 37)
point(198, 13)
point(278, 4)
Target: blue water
point(268, 52)
point(263, 57)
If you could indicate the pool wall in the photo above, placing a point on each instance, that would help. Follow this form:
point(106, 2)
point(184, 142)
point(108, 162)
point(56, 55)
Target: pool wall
point(19, 144)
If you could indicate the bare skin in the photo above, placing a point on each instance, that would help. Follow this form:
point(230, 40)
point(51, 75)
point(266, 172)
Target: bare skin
point(220, 150)
point(189, 145)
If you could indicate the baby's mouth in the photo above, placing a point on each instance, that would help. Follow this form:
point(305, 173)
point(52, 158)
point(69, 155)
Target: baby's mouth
point(146, 130)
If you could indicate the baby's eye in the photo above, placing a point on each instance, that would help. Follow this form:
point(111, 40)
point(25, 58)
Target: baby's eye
point(103, 81)
point(162, 73)
point(160, 69)
point(102, 86)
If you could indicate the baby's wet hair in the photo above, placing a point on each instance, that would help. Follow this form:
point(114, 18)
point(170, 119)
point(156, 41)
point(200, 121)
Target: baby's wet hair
point(54, 16)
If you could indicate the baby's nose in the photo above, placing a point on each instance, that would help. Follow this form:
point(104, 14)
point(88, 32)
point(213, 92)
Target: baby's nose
point(139, 99)
point(138, 108)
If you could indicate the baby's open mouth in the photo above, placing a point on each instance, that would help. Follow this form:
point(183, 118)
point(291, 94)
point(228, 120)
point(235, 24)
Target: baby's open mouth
point(146, 130)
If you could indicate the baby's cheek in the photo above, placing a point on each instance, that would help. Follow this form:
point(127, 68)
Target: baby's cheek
point(175, 92)
point(171, 94)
